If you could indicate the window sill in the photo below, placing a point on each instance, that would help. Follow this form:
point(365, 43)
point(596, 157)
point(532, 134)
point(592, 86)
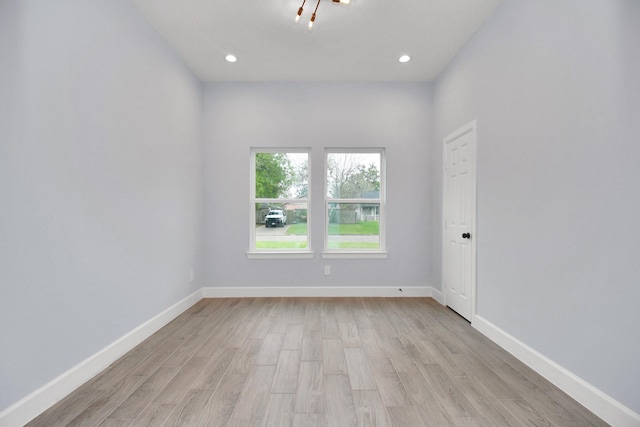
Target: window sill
point(280, 255)
point(355, 255)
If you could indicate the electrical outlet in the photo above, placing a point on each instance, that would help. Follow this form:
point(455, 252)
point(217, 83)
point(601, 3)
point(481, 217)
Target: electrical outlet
point(327, 270)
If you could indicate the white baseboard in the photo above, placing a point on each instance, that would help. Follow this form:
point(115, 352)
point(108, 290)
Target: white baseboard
point(319, 291)
point(437, 295)
point(601, 404)
point(46, 396)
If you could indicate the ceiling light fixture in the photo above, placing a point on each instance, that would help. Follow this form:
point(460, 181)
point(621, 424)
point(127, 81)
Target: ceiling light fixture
point(300, 11)
point(404, 58)
point(230, 58)
point(313, 16)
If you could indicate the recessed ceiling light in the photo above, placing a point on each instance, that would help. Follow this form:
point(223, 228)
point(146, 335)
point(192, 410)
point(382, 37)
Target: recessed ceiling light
point(404, 58)
point(230, 58)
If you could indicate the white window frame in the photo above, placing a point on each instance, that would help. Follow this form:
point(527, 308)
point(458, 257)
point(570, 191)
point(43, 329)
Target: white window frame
point(256, 253)
point(378, 253)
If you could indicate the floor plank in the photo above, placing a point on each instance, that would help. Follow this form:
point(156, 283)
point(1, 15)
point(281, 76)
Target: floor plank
point(310, 392)
point(293, 337)
point(253, 399)
point(338, 396)
point(403, 417)
point(280, 410)
point(287, 372)
point(333, 357)
point(180, 385)
point(221, 405)
point(154, 415)
point(270, 351)
point(360, 374)
point(143, 395)
point(388, 382)
point(189, 410)
point(98, 410)
point(370, 411)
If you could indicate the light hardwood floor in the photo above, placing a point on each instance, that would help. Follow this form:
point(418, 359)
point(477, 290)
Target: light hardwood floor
point(317, 362)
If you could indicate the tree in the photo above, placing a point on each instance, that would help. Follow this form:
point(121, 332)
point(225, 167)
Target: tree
point(351, 178)
point(363, 180)
point(274, 175)
point(301, 180)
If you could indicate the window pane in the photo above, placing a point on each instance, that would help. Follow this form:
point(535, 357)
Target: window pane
point(282, 175)
point(281, 226)
point(353, 175)
point(354, 226)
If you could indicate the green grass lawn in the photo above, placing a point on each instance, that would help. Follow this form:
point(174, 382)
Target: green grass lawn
point(297, 229)
point(303, 245)
point(365, 228)
point(353, 245)
point(281, 245)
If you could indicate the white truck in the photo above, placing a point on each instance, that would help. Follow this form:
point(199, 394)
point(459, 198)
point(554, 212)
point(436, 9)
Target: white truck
point(275, 218)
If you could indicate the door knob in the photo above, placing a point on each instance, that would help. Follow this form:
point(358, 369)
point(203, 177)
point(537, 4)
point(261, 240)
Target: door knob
point(466, 235)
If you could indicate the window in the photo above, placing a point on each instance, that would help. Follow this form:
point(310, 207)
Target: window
point(279, 203)
point(354, 203)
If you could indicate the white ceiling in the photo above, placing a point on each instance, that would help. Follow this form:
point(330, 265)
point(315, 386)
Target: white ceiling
point(357, 42)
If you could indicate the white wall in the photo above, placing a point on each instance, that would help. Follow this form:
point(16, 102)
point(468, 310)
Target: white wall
point(100, 183)
point(240, 116)
point(556, 90)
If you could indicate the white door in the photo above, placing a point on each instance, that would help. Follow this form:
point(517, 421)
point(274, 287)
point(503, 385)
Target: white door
point(459, 212)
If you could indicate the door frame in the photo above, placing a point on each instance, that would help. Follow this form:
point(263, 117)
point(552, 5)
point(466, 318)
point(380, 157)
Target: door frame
point(471, 128)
